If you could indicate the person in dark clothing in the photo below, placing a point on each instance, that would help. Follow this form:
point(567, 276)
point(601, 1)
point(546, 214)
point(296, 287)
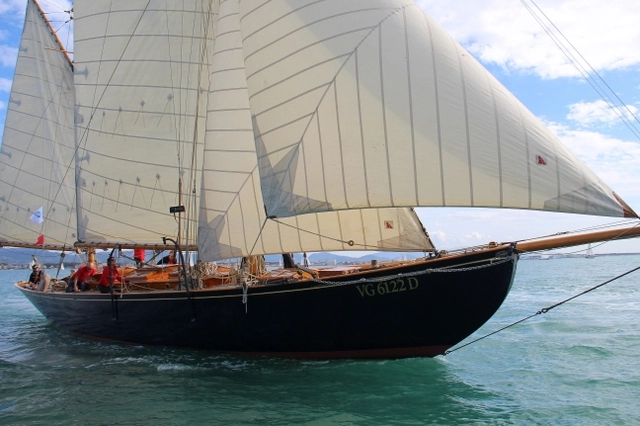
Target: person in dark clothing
point(35, 277)
point(169, 259)
point(38, 279)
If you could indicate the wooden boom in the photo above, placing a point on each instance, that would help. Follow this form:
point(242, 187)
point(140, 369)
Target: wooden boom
point(578, 239)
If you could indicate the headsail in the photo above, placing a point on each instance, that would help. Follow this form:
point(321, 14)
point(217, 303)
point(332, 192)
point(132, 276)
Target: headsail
point(141, 83)
point(232, 211)
point(370, 103)
point(38, 145)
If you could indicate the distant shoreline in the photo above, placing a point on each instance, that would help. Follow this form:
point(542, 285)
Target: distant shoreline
point(353, 261)
point(548, 256)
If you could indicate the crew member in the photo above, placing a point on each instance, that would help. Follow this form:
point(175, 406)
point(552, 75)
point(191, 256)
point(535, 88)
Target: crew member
point(110, 276)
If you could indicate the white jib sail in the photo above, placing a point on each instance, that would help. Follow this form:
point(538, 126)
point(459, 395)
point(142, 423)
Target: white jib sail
point(38, 145)
point(232, 212)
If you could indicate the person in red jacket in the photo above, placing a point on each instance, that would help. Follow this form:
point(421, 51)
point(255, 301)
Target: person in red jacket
point(138, 256)
point(80, 277)
point(110, 275)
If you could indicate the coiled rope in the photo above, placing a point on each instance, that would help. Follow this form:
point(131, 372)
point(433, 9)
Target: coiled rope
point(544, 310)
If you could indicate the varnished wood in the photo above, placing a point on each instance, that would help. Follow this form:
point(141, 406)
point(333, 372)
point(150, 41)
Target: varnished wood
point(578, 239)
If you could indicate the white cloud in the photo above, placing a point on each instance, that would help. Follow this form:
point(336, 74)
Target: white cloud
point(507, 225)
point(615, 161)
point(12, 14)
point(11, 6)
point(2, 106)
point(5, 85)
point(475, 238)
point(599, 112)
point(8, 56)
point(56, 11)
point(503, 32)
point(48, 6)
point(439, 236)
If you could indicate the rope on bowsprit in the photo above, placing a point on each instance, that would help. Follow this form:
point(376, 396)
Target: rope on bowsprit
point(544, 310)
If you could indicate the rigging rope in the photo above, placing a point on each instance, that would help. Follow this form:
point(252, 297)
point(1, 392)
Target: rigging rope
point(543, 310)
point(584, 68)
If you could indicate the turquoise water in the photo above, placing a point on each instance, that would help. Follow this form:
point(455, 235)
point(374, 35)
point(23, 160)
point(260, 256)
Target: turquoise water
point(579, 364)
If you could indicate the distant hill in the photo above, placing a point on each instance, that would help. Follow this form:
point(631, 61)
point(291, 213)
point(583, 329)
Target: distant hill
point(327, 257)
point(22, 256)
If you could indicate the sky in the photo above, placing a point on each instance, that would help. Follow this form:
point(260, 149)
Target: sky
point(507, 39)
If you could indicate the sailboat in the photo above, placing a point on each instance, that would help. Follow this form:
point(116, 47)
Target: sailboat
point(236, 129)
point(589, 254)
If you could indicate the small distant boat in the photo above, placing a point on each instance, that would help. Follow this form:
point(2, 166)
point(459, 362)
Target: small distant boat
point(589, 254)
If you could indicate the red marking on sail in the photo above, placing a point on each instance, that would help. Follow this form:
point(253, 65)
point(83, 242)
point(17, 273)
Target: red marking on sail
point(388, 224)
point(626, 210)
point(540, 161)
point(40, 239)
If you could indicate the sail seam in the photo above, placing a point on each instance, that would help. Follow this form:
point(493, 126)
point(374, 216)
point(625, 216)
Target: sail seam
point(384, 115)
point(365, 169)
point(322, 163)
point(331, 82)
point(410, 104)
point(308, 25)
point(286, 101)
point(295, 11)
point(499, 140)
point(436, 93)
point(465, 103)
point(341, 147)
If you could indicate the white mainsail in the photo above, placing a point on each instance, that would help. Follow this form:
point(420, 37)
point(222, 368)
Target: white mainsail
point(369, 103)
point(233, 220)
point(38, 146)
point(141, 82)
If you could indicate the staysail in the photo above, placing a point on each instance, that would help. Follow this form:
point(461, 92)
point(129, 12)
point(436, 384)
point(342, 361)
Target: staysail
point(37, 187)
point(141, 82)
point(233, 219)
point(370, 103)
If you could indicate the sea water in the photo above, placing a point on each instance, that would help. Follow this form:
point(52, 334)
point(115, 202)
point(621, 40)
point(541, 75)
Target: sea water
point(578, 364)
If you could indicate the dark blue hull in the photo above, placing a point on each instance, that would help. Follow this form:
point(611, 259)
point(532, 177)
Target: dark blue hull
point(392, 313)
